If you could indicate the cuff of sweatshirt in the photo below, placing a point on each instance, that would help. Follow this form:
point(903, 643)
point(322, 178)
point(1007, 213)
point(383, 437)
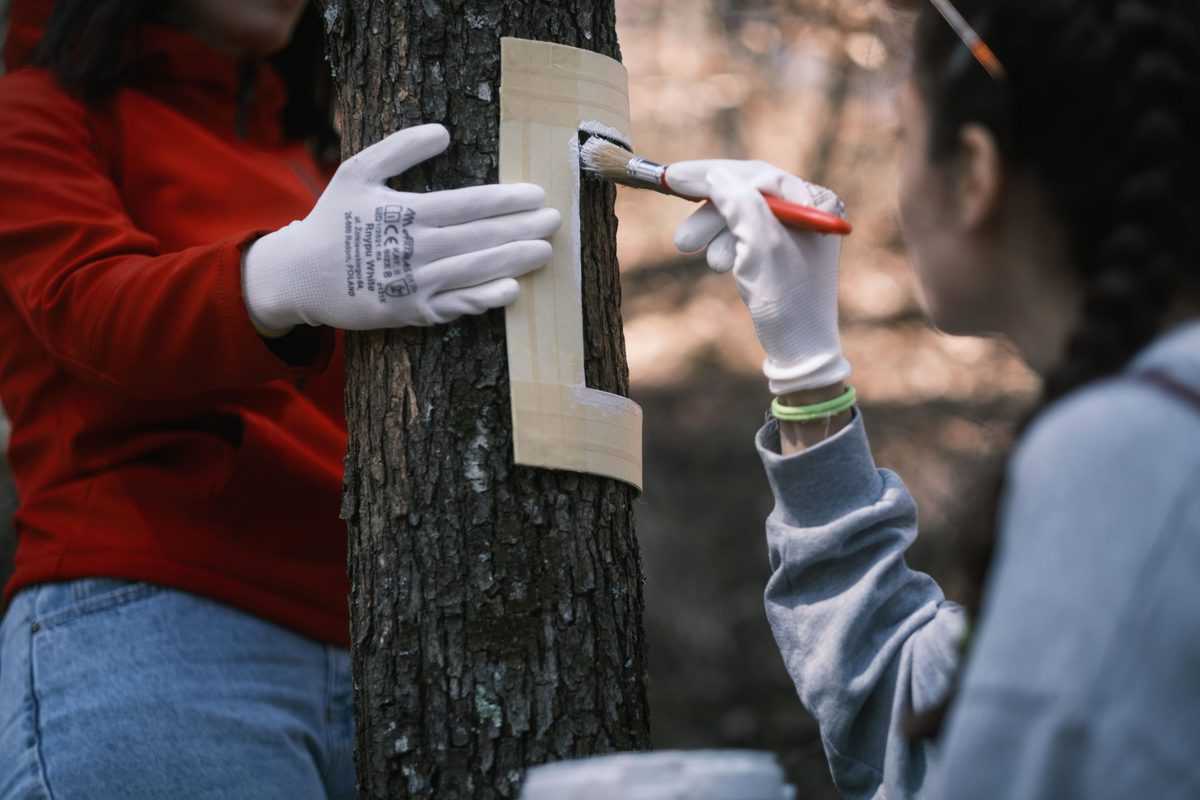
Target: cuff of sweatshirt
point(825, 482)
point(303, 352)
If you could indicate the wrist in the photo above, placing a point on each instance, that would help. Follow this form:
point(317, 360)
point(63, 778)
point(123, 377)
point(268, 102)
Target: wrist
point(809, 397)
point(259, 292)
point(798, 435)
point(817, 371)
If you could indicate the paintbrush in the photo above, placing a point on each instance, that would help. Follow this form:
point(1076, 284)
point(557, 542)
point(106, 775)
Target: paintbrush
point(605, 159)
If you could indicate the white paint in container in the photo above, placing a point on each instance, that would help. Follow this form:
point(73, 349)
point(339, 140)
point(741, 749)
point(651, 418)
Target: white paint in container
point(662, 775)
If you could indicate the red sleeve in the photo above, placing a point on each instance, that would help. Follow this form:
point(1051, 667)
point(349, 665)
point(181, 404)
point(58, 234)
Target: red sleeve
point(95, 290)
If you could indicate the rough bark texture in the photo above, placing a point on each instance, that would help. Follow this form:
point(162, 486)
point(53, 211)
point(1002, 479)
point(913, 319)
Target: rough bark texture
point(496, 610)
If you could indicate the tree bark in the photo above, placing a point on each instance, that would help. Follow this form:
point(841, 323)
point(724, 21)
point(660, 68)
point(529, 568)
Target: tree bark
point(496, 610)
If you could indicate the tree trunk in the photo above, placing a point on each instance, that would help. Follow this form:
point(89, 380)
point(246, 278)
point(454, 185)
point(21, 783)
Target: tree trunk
point(496, 610)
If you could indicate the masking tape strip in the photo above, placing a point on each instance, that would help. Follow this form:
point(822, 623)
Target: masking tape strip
point(547, 91)
point(565, 428)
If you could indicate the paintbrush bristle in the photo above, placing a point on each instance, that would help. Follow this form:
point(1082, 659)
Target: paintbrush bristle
point(605, 159)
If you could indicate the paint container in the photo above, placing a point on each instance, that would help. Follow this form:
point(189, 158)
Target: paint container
point(662, 775)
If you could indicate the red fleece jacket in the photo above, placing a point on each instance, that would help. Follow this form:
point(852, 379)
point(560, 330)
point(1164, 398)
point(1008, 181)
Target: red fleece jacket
point(155, 435)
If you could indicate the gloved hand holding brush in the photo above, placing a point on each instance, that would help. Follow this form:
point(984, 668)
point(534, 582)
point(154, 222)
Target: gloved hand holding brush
point(788, 278)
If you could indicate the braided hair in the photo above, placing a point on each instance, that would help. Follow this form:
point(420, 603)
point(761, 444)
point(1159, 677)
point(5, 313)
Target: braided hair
point(1101, 107)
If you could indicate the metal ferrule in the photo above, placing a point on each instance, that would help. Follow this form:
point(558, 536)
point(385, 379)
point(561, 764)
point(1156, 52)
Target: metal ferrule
point(646, 172)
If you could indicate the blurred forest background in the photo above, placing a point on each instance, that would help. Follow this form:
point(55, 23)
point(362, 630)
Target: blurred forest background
point(808, 85)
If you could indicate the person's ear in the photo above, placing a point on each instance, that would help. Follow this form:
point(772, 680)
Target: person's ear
point(980, 176)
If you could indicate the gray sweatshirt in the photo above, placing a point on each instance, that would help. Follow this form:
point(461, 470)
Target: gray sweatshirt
point(1083, 679)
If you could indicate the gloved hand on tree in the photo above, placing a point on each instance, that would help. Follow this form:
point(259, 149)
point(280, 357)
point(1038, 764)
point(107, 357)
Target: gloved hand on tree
point(787, 278)
point(368, 257)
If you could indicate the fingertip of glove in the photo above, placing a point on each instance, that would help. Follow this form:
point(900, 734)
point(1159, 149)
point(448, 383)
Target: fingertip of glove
point(528, 196)
point(543, 249)
point(722, 253)
point(532, 254)
point(695, 232)
point(685, 171)
point(553, 220)
point(718, 264)
point(436, 134)
point(507, 290)
point(683, 241)
point(687, 178)
point(426, 140)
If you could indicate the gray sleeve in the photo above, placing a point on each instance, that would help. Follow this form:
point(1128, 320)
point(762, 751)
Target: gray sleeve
point(1082, 680)
point(865, 639)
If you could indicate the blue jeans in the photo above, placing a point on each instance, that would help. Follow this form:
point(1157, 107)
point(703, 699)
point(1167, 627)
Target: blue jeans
point(116, 689)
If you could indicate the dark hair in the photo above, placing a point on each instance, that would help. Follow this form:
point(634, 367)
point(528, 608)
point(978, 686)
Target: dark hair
point(91, 47)
point(1101, 107)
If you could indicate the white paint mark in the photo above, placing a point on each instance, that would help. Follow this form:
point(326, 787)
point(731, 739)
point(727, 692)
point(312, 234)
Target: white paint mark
point(416, 782)
point(331, 15)
point(484, 92)
point(607, 131)
point(486, 707)
point(474, 457)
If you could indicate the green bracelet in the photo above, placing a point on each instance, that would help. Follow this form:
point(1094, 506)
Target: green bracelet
point(818, 411)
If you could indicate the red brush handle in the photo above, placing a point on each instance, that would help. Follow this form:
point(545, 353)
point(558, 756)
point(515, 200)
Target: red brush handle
point(806, 218)
point(793, 215)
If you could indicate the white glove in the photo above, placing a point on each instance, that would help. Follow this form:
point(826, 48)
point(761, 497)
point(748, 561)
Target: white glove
point(369, 257)
point(787, 278)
